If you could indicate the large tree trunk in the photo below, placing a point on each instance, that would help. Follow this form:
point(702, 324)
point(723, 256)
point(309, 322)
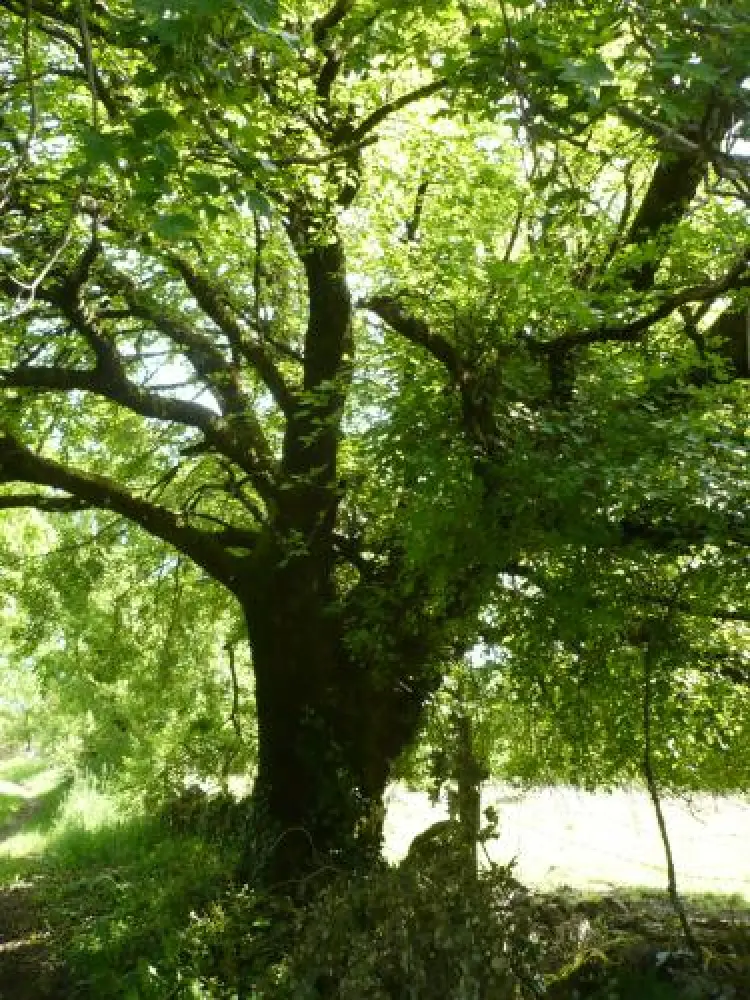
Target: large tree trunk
point(328, 731)
point(331, 720)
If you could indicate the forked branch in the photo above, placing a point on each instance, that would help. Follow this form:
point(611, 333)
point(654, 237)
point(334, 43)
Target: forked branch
point(392, 311)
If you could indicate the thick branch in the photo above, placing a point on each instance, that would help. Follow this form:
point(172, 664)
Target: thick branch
point(476, 404)
point(673, 186)
point(737, 277)
point(52, 10)
point(678, 174)
point(19, 464)
point(311, 439)
point(327, 77)
point(238, 437)
point(359, 132)
point(731, 334)
point(41, 501)
point(328, 339)
point(412, 224)
point(202, 353)
point(123, 392)
point(219, 433)
point(390, 309)
point(330, 20)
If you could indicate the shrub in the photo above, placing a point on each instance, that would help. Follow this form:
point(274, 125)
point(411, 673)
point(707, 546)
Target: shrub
point(434, 932)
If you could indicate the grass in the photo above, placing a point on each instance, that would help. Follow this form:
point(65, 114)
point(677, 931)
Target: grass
point(124, 900)
point(10, 805)
point(22, 768)
point(116, 889)
point(122, 897)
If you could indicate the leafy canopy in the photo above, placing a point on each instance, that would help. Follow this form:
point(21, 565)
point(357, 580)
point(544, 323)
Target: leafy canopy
point(405, 298)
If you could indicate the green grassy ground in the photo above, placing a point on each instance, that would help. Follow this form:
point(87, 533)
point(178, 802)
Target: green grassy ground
point(99, 903)
point(87, 887)
point(23, 768)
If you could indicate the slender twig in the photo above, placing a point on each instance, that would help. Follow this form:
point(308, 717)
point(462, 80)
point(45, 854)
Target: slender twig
point(235, 714)
point(649, 775)
point(26, 302)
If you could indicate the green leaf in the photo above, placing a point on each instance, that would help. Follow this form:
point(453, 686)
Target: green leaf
point(101, 147)
point(154, 123)
point(203, 183)
point(257, 202)
point(590, 73)
point(175, 226)
point(261, 12)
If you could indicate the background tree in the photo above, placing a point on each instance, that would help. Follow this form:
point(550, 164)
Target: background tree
point(541, 217)
point(126, 652)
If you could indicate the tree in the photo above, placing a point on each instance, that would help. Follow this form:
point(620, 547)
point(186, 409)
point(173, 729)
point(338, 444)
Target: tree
point(134, 663)
point(541, 218)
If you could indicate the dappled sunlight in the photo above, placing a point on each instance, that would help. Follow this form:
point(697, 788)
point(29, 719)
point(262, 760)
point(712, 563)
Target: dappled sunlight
point(23, 768)
point(33, 787)
point(24, 845)
point(10, 788)
point(41, 809)
point(87, 808)
point(44, 782)
point(374, 395)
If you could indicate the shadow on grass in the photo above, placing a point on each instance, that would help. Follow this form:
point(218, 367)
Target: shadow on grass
point(119, 902)
point(103, 898)
point(128, 909)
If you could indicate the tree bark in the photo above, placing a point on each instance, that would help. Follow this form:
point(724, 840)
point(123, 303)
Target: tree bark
point(329, 729)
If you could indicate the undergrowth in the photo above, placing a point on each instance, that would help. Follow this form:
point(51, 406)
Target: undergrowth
point(146, 908)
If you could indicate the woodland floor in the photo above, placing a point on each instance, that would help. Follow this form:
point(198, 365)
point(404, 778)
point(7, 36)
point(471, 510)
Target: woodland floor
point(107, 895)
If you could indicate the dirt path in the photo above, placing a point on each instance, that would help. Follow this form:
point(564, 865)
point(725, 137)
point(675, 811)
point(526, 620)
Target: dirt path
point(27, 971)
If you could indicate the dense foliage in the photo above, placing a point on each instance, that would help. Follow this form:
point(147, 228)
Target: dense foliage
point(384, 328)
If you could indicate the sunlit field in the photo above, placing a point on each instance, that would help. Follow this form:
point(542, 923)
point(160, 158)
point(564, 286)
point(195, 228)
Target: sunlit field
point(561, 836)
point(558, 836)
